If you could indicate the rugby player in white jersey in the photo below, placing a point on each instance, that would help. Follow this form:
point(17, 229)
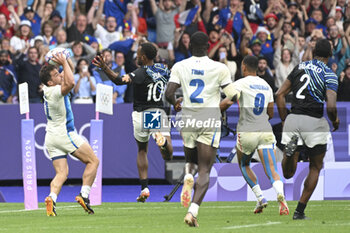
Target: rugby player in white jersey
point(201, 79)
point(254, 132)
point(61, 137)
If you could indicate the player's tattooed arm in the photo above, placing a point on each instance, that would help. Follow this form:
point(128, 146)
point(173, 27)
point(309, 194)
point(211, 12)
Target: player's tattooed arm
point(113, 76)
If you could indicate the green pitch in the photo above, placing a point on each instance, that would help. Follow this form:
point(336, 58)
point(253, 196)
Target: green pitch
point(327, 216)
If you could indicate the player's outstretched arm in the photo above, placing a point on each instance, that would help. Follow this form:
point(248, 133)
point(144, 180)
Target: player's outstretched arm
point(170, 96)
point(113, 76)
point(68, 78)
point(225, 104)
point(281, 99)
point(332, 108)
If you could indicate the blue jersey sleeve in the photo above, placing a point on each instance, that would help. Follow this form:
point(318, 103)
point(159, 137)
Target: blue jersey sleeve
point(331, 81)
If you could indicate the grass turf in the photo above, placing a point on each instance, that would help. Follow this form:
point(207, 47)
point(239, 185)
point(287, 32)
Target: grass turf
point(327, 216)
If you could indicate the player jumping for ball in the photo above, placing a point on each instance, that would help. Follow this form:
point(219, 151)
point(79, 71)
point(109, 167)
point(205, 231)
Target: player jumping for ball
point(61, 137)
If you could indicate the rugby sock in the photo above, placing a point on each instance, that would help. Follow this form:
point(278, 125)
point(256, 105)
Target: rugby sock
point(193, 209)
point(85, 191)
point(53, 196)
point(301, 207)
point(144, 184)
point(187, 176)
point(258, 193)
point(278, 186)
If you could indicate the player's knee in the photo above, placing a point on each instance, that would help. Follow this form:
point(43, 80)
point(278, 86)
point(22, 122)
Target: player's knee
point(62, 174)
point(287, 174)
point(95, 161)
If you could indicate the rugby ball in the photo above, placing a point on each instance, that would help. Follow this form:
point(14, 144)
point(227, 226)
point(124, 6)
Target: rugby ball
point(49, 55)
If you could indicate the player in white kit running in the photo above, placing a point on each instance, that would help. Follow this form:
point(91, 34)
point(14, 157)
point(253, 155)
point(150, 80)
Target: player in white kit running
point(254, 132)
point(201, 79)
point(61, 137)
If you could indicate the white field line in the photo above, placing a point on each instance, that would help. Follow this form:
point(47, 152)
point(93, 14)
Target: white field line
point(251, 225)
point(24, 210)
point(144, 207)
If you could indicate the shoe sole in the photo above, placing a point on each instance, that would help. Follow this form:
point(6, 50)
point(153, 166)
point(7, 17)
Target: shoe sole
point(82, 203)
point(190, 222)
point(159, 138)
point(260, 208)
point(187, 192)
point(142, 197)
point(49, 207)
point(284, 210)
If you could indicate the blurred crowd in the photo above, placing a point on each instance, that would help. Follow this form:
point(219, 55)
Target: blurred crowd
point(280, 33)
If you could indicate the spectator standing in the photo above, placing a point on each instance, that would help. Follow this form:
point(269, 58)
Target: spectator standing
point(76, 30)
point(27, 68)
point(6, 29)
point(344, 85)
point(284, 60)
point(21, 39)
point(8, 80)
point(101, 77)
point(85, 83)
point(33, 17)
point(120, 62)
point(164, 14)
point(264, 72)
point(47, 30)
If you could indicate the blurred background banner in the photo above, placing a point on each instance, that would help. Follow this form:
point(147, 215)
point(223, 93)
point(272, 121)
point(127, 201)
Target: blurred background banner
point(119, 147)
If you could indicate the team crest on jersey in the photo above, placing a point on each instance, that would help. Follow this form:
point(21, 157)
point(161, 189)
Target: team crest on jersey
point(152, 119)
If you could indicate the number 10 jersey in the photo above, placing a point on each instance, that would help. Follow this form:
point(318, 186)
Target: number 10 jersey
point(149, 83)
point(310, 80)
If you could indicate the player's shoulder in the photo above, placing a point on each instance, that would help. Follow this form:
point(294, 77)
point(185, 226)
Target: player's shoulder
point(254, 82)
point(51, 90)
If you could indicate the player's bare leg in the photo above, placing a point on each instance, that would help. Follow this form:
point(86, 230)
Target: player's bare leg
point(315, 166)
point(252, 180)
point(61, 168)
point(142, 166)
point(190, 170)
point(267, 157)
point(165, 145)
point(86, 155)
point(206, 157)
point(290, 157)
point(289, 165)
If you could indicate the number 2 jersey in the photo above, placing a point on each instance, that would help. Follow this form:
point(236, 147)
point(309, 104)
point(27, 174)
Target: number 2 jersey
point(255, 95)
point(149, 83)
point(310, 81)
point(200, 79)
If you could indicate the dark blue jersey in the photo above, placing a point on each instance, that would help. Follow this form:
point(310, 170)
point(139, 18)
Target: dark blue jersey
point(149, 84)
point(310, 81)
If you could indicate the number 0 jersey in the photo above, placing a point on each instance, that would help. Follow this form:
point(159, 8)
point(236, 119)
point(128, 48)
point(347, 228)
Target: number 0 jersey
point(200, 79)
point(255, 96)
point(149, 84)
point(310, 81)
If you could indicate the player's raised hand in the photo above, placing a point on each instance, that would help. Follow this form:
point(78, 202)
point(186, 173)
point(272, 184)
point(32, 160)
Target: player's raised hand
point(59, 58)
point(99, 62)
point(335, 124)
point(126, 78)
point(177, 105)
